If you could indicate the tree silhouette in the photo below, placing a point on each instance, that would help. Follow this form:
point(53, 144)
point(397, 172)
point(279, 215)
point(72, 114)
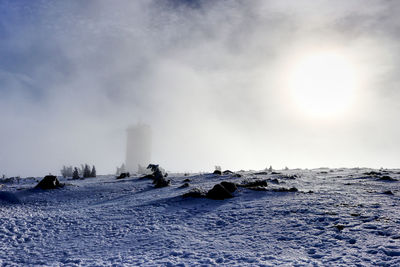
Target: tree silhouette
point(93, 172)
point(75, 175)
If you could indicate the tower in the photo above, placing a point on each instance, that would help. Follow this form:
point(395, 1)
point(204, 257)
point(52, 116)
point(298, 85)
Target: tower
point(138, 147)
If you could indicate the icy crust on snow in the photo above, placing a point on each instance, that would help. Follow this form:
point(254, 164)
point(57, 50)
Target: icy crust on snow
point(348, 219)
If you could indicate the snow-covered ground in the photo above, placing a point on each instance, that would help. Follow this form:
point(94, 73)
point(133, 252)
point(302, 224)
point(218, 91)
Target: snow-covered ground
point(349, 219)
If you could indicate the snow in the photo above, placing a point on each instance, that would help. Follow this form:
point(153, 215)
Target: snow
point(347, 220)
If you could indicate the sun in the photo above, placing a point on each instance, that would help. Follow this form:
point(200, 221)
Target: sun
point(323, 84)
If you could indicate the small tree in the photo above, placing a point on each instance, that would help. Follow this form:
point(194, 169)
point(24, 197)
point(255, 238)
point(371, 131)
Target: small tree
point(75, 175)
point(86, 171)
point(93, 172)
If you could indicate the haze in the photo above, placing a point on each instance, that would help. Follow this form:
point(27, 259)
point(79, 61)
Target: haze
point(208, 76)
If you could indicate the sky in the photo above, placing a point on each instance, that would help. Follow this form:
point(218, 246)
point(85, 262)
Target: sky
point(210, 78)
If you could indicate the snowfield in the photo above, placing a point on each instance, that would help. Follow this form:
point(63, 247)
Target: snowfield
point(339, 217)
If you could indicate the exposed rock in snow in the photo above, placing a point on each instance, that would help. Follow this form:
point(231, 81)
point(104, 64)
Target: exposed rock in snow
point(219, 192)
point(49, 182)
point(231, 187)
point(159, 179)
point(195, 192)
point(387, 178)
point(255, 183)
point(124, 175)
point(293, 189)
point(217, 172)
point(184, 185)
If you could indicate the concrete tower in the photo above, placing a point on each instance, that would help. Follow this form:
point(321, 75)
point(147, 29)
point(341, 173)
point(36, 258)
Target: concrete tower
point(138, 147)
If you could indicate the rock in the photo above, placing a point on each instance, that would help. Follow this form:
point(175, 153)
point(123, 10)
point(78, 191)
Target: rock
point(290, 176)
point(293, 189)
point(231, 187)
point(218, 192)
point(124, 175)
point(184, 185)
point(159, 178)
point(187, 180)
point(49, 182)
point(195, 192)
point(236, 175)
point(217, 172)
point(161, 183)
point(254, 184)
point(340, 227)
point(227, 172)
point(261, 173)
point(387, 178)
point(388, 192)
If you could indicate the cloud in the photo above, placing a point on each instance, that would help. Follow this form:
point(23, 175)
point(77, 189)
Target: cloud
point(207, 76)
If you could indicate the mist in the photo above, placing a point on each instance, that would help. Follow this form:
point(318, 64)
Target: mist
point(207, 76)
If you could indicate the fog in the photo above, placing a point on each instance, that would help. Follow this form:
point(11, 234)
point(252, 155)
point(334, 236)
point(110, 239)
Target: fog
point(208, 76)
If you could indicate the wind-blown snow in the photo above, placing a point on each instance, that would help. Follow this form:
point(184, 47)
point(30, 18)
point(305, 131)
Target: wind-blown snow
point(348, 219)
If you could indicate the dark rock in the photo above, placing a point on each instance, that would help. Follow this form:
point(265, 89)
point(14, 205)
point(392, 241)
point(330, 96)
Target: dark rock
point(236, 175)
point(290, 176)
point(293, 189)
point(195, 192)
point(218, 192)
point(184, 185)
point(49, 182)
point(275, 173)
point(254, 184)
point(231, 187)
point(217, 172)
point(261, 173)
point(124, 175)
point(159, 179)
point(387, 178)
point(161, 183)
point(187, 180)
point(339, 227)
point(227, 172)
point(388, 192)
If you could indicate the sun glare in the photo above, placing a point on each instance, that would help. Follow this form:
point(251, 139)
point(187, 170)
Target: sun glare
point(323, 84)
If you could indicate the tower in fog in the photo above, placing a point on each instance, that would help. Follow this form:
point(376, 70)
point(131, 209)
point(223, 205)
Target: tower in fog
point(138, 147)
